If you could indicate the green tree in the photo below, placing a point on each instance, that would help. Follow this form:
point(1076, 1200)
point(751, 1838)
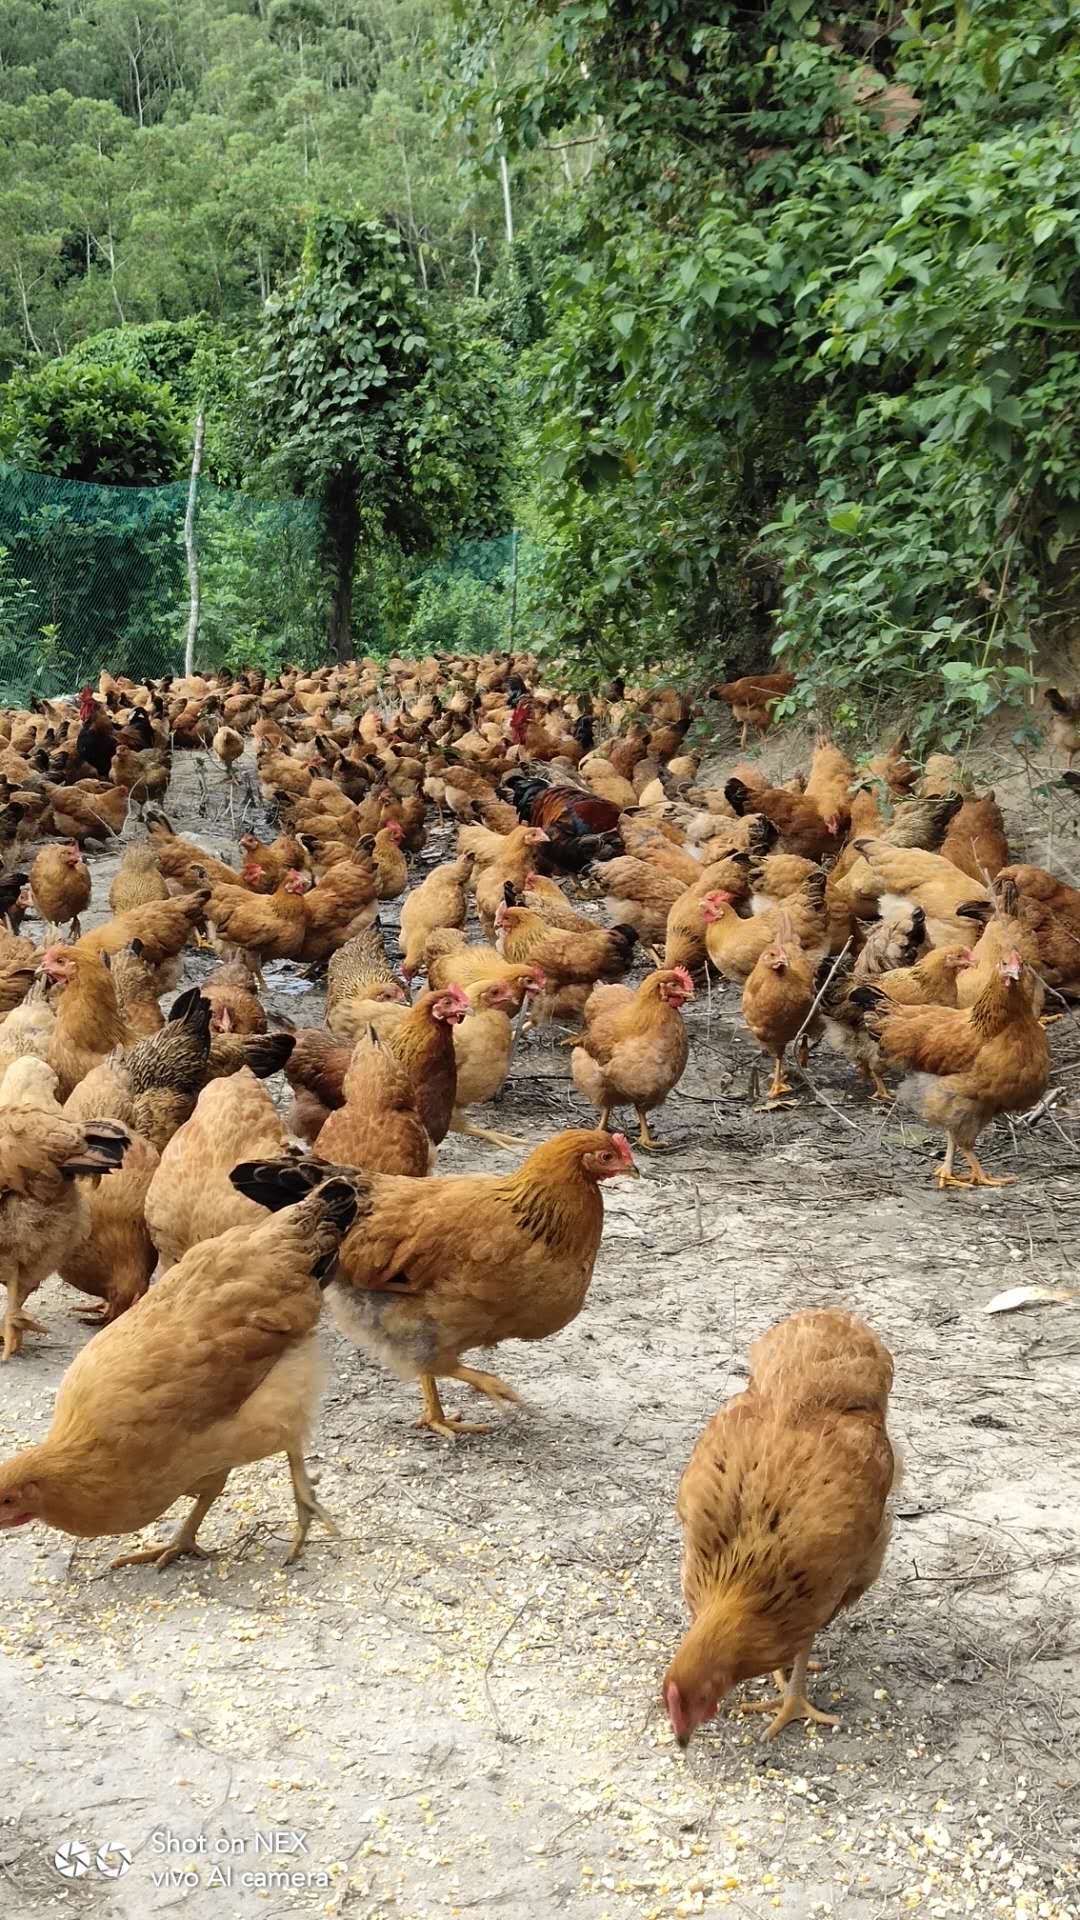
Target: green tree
point(91, 423)
point(375, 405)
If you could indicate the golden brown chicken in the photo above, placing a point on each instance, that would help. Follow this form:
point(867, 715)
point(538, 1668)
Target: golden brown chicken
point(261, 926)
point(777, 999)
point(635, 1048)
point(1050, 910)
point(138, 879)
point(1064, 721)
point(341, 905)
point(968, 1064)
point(801, 827)
point(152, 1085)
point(483, 1049)
point(752, 699)
point(976, 841)
point(423, 1043)
point(925, 880)
point(784, 1514)
point(828, 786)
point(88, 1023)
point(228, 747)
point(235, 1006)
point(360, 970)
point(60, 884)
point(437, 1267)
point(515, 859)
point(441, 900)
point(43, 1210)
point(391, 867)
point(639, 893)
point(378, 1127)
point(191, 1197)
point(272, 862)
point(565, 959)
point(135, 987)
point(216, 1367)
point(1001, 930)
point(90, 810)
point(734, 946)
point(163, 927)
point(112, 1257)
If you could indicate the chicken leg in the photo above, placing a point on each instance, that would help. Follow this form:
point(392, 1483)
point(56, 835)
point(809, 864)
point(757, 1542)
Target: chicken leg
point(487, 1383)
point(307, 1507)
point(793, 1703)
point(945, 1177)
point(16, 1322)
point(436, 1419)
point(459, 1124)
point(162, 1554)
point(645, 1139)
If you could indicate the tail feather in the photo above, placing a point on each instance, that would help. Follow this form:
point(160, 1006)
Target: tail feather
point(106, 1143)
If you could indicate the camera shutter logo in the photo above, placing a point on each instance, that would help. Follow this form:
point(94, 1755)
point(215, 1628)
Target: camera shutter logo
point(112, 1860)
point(72, 1859)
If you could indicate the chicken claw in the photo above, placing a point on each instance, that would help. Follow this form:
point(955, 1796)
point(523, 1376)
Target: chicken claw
point(793, 1703)
point(162, 1554)
point(645, 1139)
point(307, 1508)
point(436, 1419)
point(488, 1383)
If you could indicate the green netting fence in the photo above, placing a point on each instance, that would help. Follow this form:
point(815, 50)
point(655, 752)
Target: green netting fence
point(94, 577)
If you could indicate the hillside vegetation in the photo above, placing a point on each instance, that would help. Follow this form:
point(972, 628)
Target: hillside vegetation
point(781, 354)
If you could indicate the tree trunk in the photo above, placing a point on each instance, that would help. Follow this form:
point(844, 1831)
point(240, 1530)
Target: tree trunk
point(191, 548)
point(342, 535)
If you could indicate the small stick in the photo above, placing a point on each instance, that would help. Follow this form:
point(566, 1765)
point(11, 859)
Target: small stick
point(822, 991)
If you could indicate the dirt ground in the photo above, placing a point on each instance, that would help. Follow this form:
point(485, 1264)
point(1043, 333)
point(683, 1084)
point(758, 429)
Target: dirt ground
point(454, 1707)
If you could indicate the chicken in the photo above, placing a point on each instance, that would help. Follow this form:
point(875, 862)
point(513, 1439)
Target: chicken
point(28, 1028)
point(752, 699)
point(895, 939)
point(44, 1211)
point(95, 743)
point(934, 981)
point(135, 987)
point(113, 1256)
point(966, 1064)
point(423, 1043)
point(437, 1267)
point(976, 841)
point(341, 905)
point(391, 868)
point(634, 1049)
point(784, 1513)
point(640, 894)
point(483, 1049)
point(272, 862)
point(378, 1127)
point(578, 824)
point(163, 927)
point(828, 786)
point(940, 775)
point(88, 811)
point(261, 1053)
point(60, 884)
point(516, 858)
point(88, 1023)
point(684, 935)
point(228, 747)
point(895, 967)
point(734, 946)
point(924, 880)
point(1001, 931)
point(191, 1197)
point(1064, 721)
point(151, 1086)
point(184, 862)
point(261, 927)
point(235, 1007)
point(565, 959)
point(315, 1070)
point(1050, 910)
point(360, 970)
point(441, 900)
point(798, 822)
point(777, 998)
point(216, 1367)
point(138, 879)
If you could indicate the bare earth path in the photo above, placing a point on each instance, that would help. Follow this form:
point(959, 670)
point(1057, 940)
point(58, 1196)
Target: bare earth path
point(456, 1703)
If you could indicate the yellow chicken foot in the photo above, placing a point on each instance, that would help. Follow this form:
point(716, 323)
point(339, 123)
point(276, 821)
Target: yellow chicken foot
point(880, 1090)
point(307, 1508)
point(435, 1419)
point(162, 1554)
point(489, 1384)
point(793, 1704)
point(645, 1139)
point(460, 1125)
point(980, 1177)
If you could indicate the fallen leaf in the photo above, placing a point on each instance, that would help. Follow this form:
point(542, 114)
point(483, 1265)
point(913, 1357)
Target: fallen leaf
point(1014, 1297)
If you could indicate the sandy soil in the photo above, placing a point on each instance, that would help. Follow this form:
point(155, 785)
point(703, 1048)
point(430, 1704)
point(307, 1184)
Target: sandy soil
point(455, 1704)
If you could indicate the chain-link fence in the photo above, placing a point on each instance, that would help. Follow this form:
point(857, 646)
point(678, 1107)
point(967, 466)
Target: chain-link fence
point(94, 577)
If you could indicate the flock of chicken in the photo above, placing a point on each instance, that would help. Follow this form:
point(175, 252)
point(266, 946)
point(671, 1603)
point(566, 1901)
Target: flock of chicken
point(875, 909)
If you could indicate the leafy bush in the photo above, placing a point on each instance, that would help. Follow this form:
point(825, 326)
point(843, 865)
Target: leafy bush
point(91, 423)
point(458, 614)
point(810, 374)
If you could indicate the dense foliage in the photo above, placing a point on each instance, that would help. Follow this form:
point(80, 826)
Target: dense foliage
point(811, 336)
